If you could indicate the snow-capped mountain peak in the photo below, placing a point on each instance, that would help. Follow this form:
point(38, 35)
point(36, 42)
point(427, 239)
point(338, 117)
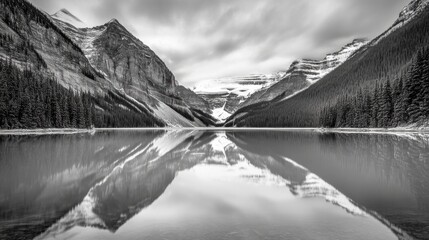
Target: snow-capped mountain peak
point(66, 16)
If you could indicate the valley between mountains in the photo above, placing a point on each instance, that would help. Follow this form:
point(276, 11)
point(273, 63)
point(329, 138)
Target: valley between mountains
point(58, 72)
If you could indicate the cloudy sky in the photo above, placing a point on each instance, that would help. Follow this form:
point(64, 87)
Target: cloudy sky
point(206, 39)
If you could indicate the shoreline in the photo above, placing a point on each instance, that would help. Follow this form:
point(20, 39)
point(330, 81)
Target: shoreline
point(59, 131)
point(47, 131)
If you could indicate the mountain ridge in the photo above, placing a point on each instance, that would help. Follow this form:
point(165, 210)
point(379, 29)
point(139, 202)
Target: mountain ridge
point(303, 73)
point(226, 95)
point(132, 67)
point(386, 60)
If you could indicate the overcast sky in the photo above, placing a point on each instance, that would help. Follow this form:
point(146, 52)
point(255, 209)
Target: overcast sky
point(205, 39)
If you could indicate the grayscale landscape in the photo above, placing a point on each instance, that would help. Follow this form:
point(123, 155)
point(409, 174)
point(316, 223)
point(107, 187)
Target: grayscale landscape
point(199, 119)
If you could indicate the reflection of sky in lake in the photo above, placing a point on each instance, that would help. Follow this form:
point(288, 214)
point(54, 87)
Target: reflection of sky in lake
point(211, 185)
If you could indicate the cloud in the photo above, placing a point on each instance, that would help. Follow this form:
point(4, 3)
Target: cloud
point(204, 39)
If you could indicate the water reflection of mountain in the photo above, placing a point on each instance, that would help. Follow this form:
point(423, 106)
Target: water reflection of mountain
point(137, 182)
point(388, 174)
point(104, 180)
point(43, 177)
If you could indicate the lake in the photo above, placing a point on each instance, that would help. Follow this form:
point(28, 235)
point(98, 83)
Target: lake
point(213, 184)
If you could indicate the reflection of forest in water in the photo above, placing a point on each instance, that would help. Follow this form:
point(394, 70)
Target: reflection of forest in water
point(43, 178)
point(388, 174)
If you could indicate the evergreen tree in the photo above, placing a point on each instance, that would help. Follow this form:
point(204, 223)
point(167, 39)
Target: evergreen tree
point(13, 115)
point(73, 110)
point(25, 112)
point(80, 113)
point(65, 112)
point(414, 87)
point(425, 84)
point(38, 113)
point(399, 113)
point(3, 98)
point(375, 108)
point(367, 109)
point(386, 106)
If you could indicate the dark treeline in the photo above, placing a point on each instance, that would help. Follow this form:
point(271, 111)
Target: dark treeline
point(29, 100)
point(406, 102)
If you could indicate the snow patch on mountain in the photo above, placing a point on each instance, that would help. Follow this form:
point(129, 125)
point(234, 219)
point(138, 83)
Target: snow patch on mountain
point(65, 16)
point(314, 70)
point(225, 95)
point(220, 113)
point(87, 45)
point(240, 86)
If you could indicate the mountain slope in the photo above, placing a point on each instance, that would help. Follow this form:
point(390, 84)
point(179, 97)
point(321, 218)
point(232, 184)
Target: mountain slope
point(383, 59)
point(52, 48)
point(302, 73)
point(33, 42)
point(47, 71)
point(193, 99)
point(132, 68)
point(118, 75)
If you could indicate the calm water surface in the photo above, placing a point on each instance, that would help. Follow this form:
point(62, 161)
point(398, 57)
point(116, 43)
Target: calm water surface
point(214, 185)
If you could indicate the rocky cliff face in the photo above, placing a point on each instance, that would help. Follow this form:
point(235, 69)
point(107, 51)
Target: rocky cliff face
point(52, 51)
point(132, 68)
point(303, 73)
point(106, 61)
point(122, 58)
point(192, 99)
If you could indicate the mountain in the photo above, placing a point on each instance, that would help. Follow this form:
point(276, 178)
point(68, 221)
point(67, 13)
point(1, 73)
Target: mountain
point(48, 48)
point(382, 64)
point(302, 73)
point(118, 79)
point(193, 99)
point(134, 68)
point(225, 95)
